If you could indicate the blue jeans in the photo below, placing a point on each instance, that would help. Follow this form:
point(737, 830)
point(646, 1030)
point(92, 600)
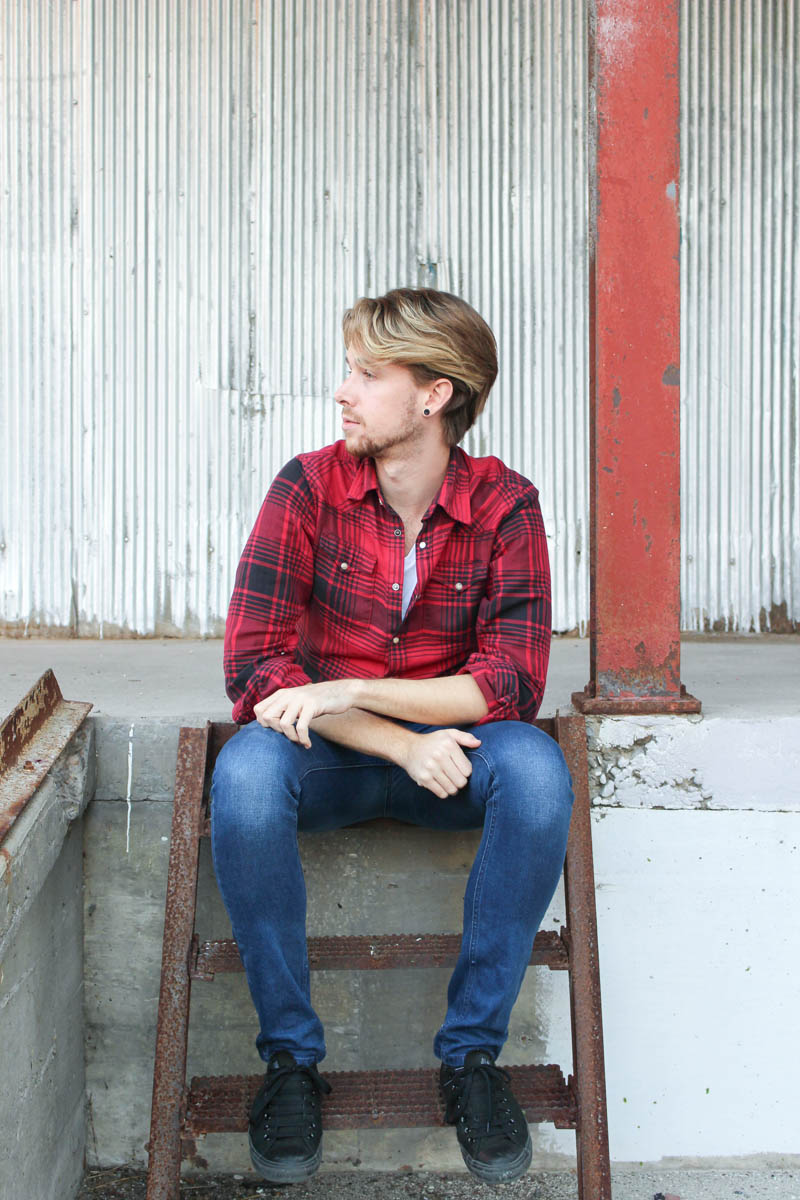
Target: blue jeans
point(265, 788)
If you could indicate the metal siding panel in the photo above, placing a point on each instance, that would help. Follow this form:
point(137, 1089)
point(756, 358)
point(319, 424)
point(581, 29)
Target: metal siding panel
point(198, 191)
point(741, 308)
point(37, 158)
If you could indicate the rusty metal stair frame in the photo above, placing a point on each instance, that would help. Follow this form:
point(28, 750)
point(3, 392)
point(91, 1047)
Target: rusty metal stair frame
point(588, 1080)
point(387, 1099)
point(366, 952)
point(168, 1110)
point(377, 1098)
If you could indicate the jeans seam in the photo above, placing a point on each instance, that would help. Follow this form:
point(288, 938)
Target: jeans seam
point(334, 767)
point(491, 817)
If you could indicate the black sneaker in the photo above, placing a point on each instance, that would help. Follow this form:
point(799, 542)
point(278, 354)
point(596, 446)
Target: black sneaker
point(285, 1121)
point(490, 1125)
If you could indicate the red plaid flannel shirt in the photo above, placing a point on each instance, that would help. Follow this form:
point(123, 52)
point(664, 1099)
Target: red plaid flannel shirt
point(319, 587)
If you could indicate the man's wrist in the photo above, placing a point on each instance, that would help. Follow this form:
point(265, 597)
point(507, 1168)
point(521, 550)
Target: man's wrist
point(402, 740)
point(357, 692)
point(367, 732)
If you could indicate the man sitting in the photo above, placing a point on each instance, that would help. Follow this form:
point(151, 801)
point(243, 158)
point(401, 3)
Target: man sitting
point(386, 651)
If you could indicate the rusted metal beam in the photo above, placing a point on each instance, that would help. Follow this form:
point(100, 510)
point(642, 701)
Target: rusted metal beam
point(169, 1074)
point(589, 1081)
point(31, 739)
point(634, 332)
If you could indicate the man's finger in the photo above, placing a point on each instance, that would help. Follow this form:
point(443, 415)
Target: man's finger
point(307, 714)
point(453, 776)
point(288, 723)
point(437, 789)
point(465, 739)
point(461, 761)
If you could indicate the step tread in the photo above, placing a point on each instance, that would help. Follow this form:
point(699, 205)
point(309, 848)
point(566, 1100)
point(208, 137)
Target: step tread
point(376, 952)
point(375, 1099)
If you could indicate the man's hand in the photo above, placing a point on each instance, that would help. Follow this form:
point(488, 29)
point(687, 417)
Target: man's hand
point(436, 761)
point(290, 710)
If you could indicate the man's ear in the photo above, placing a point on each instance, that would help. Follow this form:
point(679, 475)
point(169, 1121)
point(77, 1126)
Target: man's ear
point(440, 392)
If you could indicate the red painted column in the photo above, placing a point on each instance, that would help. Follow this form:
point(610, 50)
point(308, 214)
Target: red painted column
point(634, 319)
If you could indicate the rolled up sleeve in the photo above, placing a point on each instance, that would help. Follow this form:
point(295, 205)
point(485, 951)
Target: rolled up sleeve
point(271, 590)
point(514, 625)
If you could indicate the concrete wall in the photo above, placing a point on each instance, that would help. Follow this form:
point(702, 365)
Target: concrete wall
point(42, 1099)
point(696, 850)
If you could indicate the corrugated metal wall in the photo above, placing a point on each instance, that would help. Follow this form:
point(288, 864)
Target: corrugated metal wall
point(741, 313)
point(193, 193)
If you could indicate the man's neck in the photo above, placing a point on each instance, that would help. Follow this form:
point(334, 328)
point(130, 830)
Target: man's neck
point(409, 484)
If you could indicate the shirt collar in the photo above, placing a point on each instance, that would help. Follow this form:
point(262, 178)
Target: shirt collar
point(454, 492)
point(453, 495)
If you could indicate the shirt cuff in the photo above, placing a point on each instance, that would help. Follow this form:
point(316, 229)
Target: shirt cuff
point(271, 675)
point(499, 684)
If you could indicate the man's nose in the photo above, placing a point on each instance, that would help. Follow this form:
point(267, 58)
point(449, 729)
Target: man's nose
point(340, 395)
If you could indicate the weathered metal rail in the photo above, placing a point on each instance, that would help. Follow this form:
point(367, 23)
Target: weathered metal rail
point(375, 1099)
point(31, 738)
point(368, 953)
point(370, 1099)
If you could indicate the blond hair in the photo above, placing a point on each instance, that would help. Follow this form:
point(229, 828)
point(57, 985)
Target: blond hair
point(435, 335)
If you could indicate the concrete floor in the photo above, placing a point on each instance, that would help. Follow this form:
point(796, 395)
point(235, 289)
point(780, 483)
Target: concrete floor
point(628, 1183)
point(168, 678)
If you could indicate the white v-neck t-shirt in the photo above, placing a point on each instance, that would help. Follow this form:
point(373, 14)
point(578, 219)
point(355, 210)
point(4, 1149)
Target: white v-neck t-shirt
point(409, 577)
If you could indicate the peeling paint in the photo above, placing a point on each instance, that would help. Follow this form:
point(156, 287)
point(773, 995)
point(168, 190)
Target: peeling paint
point(681, 762)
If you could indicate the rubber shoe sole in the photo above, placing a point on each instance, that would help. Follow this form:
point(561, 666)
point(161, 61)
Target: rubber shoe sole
point(288, 1171)
point(500, 1172)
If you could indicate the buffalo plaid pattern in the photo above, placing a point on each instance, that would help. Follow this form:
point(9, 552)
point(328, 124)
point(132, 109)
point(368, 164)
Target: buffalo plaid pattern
point(318, 591)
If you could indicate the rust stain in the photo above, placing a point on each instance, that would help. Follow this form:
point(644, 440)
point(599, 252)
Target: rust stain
point(31, 739)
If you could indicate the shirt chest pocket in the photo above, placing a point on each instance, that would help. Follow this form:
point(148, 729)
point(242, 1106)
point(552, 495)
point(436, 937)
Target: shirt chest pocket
point(452, 598)
point(344, 581)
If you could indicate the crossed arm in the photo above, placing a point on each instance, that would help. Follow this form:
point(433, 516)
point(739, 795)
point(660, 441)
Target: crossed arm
point(354, 712)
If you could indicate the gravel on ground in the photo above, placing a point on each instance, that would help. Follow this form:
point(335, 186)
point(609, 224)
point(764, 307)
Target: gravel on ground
point(650, 1183)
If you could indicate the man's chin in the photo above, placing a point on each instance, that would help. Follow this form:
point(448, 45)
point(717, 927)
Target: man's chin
point(358, 450)
point(359, 447)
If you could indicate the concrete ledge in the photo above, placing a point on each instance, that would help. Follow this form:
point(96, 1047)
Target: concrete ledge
point(35, 840)
point(695, 762)
point(42, 1100)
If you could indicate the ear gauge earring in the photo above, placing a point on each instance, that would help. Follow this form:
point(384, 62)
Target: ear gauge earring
point(426, 412)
